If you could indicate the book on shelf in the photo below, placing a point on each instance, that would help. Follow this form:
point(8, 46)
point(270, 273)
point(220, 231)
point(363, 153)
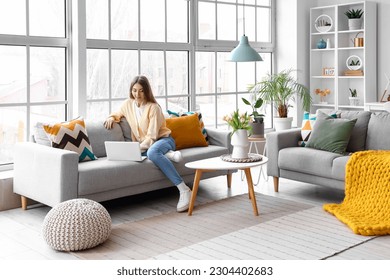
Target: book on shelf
point(353, 73)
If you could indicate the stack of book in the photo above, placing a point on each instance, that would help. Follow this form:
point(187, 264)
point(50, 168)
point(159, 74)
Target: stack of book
point(353, 72)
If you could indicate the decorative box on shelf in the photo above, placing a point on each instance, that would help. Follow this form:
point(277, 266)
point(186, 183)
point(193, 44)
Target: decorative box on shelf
point(353, 73)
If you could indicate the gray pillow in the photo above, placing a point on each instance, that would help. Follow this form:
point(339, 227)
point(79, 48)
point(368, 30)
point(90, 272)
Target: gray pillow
point(331, 134)
point(40, 136)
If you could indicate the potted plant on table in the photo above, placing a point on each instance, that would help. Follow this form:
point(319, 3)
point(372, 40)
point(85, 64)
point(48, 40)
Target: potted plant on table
point(239, 136)
point(280, 89)
point(257, 122)
point(354, 18)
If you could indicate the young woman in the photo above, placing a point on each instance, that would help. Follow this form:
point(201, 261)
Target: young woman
point(148, 127)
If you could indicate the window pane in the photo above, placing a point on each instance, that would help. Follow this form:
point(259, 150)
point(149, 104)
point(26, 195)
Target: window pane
point(13, 17)
point(264, 2)
point(47, 113)
point(12, 130)
point(226, 22)
point(263, 67)
point(47, 74)
point(226, 74)
point(152, 20)
point(124, 66)
point(263, 25)
point(97, 110)
point(115, 105)
point(47, 18)
point(206, 15)
point(206, 105)
point(226, 104)
point(178, 104)
point(152, 66)
point(97, 19)
point(177, 73)
point(177, 21)
point(246, 75)
point(205, 72)
point(124, 20)
point(13, 63)
point(249, 22)
point(97, 74)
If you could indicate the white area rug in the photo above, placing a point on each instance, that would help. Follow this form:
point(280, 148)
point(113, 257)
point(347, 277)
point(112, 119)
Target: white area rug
point(227, 229)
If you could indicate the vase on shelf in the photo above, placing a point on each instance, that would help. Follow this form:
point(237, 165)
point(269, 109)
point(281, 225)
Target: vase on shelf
point(240, 143)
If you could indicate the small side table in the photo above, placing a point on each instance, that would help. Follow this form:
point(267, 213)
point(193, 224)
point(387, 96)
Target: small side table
point(253, 142)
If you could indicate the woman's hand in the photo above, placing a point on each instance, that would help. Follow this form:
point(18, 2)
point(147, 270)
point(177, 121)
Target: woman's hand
point(109, 123)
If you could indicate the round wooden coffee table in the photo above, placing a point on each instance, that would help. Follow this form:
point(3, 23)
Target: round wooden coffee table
point(216, 163)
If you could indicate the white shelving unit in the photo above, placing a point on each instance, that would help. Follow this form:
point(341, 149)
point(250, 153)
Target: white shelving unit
point(335, 56)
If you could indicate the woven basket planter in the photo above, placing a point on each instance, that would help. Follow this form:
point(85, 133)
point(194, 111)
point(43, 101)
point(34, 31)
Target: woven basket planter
point(76, 224)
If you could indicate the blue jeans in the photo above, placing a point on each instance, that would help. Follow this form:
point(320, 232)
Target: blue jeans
point(156, 153)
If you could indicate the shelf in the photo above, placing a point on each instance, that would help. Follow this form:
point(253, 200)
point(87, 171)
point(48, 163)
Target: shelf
point(351, 77)
point(350, 48)
point(323, 77)
point(336, 60)
point(351, 31)
point(323, 50)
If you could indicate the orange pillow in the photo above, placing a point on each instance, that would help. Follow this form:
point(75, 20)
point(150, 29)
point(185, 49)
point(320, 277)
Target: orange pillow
point(186, 131)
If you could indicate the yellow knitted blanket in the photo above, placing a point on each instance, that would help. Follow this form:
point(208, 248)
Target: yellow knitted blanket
point(366, 206)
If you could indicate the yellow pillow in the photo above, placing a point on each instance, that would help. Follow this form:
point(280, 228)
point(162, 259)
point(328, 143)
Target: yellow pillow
point(186, 131)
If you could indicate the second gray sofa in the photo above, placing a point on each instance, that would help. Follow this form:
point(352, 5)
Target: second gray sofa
point(288, 160)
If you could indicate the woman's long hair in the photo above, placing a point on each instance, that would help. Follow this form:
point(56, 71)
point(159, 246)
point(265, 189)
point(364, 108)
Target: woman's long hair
point(144, 82)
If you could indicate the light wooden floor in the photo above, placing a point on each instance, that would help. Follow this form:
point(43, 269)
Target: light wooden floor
point(20, 237)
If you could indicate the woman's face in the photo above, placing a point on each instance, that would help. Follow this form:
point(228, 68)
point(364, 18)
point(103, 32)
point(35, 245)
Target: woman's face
point(138, 94)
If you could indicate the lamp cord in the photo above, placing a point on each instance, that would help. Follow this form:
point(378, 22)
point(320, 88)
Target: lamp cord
point(243, 16)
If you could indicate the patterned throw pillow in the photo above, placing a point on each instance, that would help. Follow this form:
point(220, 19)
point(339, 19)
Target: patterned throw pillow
point(308, 122)
point(201, 123)
point(71, 136)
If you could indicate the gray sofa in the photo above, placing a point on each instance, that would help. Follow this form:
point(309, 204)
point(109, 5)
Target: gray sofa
point(50, 176)
point(288, 160)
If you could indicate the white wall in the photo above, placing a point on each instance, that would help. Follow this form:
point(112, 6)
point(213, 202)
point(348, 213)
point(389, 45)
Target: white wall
point(292, 40)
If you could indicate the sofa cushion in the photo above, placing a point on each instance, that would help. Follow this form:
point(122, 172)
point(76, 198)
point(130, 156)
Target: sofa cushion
point(126, 130)
point(338, 168)
point(103, 175)
point(72, 136)
point(98, 134)
point(331, 135)
point(186, 131)
point(307, 160)
point(378, 134)
point(357, 141)
point(308, 122)
point(173, 114)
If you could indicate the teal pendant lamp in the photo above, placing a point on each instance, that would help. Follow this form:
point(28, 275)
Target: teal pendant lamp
point(244, 52)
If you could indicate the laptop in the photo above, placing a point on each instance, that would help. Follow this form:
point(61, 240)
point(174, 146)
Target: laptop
point(122, 150)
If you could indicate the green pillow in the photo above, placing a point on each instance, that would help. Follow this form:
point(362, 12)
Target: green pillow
point(331, 135)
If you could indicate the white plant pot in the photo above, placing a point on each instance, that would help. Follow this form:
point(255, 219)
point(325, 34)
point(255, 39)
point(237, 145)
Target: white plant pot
point(240, 143)
point(354, 101)
point(282, 123)
point(354, 23)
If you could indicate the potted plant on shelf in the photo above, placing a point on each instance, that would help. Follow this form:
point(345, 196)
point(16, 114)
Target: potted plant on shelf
point(354, 18)
point(257, 122)
point(322, 94)
point(280, 89)
point(353, 99)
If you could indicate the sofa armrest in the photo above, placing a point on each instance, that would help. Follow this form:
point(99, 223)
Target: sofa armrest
point(219, 137)
point(45, 174)
point(275, 142)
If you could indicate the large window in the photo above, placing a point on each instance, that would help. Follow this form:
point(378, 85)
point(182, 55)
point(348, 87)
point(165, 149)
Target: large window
point(33, 68)
point(49, 73)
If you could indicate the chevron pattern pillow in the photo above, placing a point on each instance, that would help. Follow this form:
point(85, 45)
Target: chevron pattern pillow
point(71, 136)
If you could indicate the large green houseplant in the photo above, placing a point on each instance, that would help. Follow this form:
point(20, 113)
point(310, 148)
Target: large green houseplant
point(280, 89)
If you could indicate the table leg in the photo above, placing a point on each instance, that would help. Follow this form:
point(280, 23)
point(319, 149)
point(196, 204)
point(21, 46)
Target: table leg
point(198, 175)
point(251, 190)
point(229, 179)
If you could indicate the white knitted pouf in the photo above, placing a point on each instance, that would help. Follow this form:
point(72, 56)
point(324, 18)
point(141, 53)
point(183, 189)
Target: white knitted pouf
point(76, 224)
